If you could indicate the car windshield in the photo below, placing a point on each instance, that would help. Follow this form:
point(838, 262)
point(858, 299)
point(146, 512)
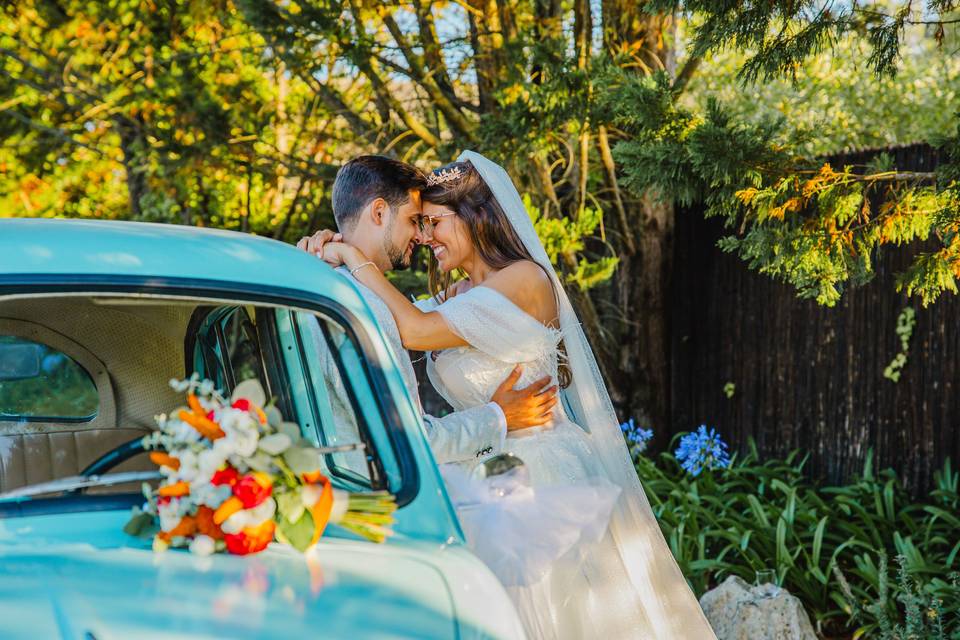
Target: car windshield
point(85, 376)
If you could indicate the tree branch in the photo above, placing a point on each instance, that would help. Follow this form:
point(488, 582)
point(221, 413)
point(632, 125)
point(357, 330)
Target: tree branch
point(427, 81)
point(687, 71)
point(610, 169)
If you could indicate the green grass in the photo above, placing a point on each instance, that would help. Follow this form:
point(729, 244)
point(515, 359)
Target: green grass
point(768, 515)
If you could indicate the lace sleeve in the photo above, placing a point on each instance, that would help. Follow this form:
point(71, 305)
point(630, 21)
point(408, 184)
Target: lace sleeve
point(490, 322)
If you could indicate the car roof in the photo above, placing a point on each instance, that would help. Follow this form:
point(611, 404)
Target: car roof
point(70, 248)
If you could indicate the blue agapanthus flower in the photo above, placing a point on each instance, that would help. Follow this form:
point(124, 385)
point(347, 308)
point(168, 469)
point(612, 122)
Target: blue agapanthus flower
point(637, 437)
point(701, 450)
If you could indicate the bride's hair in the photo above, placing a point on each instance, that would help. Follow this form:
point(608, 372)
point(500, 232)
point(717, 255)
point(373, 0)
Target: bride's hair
point(459, 187)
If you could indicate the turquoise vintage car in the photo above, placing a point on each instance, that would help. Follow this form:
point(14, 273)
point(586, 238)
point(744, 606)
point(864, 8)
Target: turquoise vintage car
point(95, 319)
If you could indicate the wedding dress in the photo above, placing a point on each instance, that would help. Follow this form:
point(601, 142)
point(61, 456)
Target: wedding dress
point(616, 581)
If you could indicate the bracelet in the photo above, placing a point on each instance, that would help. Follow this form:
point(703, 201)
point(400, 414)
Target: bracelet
point(355, 269)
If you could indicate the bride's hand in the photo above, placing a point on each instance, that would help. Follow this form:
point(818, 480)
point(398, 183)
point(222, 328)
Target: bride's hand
point(314, 244)
point(339, 253)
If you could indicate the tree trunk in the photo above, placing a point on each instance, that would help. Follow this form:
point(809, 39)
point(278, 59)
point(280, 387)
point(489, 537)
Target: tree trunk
point(642, 388)
point(131, 144)
point(486, 38)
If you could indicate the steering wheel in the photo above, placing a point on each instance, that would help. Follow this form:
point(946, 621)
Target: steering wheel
point(120, 453)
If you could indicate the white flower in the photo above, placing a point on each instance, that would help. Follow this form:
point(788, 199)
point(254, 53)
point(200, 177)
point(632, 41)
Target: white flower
point(203, 545)
point(172, 512)
point(210, 460)
point(188, 469)
point(240, 430)
point(310, 494)
point(275, 443)
point(181, 431)
point(211, 495)
point(250, 517)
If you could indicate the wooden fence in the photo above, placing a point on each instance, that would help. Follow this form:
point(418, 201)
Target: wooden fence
point(810, 377)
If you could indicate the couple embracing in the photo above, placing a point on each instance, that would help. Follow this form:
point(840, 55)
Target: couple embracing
point(570, 532)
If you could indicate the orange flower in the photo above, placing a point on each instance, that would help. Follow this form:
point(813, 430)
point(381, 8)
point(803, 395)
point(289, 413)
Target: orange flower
point(186, 527)
point(229, 507)
point(162, 459)
point(175, 490)
point(321, 510)
point(313, 477)
point(207, 428)
point(206, 524)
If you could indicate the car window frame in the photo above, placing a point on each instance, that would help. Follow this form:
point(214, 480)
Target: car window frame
point(379, 479)
point(212, 291)
point(276, 376)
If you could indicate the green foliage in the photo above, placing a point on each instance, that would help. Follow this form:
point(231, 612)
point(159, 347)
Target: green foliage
point(564, 241)
point(61, 390)
point(809, 225)
point(757, 516)
point(165, 114)
point(833, 103)
point(905, 323)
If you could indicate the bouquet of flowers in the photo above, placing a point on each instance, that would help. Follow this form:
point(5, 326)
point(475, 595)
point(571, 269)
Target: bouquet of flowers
point(235, 476)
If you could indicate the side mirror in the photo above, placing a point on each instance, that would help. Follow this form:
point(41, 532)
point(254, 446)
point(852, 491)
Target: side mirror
point(20, 360)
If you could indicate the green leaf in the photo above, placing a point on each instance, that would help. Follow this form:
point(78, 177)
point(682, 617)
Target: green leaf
point(141, 525)
point(297, 534)
point(290, 505)
point(818, 540)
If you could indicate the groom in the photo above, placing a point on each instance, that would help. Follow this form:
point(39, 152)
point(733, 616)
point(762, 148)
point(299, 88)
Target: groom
point(376, 205)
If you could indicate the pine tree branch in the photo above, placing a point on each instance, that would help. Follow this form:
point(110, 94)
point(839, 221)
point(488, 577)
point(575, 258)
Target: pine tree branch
point(892, 18)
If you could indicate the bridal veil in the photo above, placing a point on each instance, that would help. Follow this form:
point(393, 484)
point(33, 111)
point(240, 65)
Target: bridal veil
point(667, 604)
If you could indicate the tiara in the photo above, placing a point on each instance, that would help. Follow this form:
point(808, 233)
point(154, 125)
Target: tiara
point(444, 175)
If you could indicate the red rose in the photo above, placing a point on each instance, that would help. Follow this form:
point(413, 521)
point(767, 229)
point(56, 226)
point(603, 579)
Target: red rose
point(227, 475)
point(251, 539)
point(253, 489)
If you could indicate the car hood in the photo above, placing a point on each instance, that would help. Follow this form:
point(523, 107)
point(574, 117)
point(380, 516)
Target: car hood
point(52, 585)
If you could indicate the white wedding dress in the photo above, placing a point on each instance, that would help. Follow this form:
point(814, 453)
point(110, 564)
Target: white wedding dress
point(616, 577)
point(585, 593)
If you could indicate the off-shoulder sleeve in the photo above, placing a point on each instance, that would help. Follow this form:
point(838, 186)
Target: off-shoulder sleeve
point(490, 322)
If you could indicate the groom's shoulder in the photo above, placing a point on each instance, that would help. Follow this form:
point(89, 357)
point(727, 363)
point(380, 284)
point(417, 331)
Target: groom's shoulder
point(375, 302)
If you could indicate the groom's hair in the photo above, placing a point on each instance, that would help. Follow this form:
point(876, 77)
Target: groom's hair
point(366, 178)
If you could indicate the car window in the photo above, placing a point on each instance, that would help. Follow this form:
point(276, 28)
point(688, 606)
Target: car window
point(333, 395)
point(39, 383)
point(229, 348)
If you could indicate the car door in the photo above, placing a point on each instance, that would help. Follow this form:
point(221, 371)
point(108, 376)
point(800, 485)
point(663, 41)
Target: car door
point(301, 360)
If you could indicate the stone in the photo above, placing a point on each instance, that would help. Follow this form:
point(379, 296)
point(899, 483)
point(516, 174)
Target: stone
point(739, 611)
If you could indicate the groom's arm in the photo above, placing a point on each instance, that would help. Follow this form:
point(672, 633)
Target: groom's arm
point(480, 432)
point(477, 432)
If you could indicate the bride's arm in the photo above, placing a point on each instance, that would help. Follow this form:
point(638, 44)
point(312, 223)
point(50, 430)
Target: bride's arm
point(419, 331)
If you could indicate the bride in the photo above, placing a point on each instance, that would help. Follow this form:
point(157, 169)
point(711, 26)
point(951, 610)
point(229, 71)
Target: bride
point(620, 581)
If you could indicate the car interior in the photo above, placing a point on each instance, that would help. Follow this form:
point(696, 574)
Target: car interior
point(82, 375)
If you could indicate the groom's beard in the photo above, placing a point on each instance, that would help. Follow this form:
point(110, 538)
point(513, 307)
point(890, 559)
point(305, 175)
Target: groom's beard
point(399, 259)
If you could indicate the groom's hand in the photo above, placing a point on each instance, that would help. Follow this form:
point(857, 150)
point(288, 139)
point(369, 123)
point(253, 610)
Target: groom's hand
point(314, 244)
point(528, 407)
